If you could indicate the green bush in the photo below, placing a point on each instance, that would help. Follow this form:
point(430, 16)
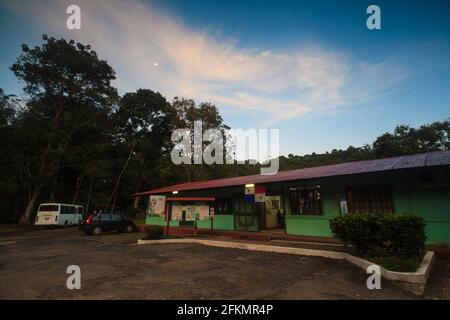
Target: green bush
point(133, 213)
point(396, 234)
point(404, 234)
point(154, 232)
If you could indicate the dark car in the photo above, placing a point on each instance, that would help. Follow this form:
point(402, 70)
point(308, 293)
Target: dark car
point(96, 224)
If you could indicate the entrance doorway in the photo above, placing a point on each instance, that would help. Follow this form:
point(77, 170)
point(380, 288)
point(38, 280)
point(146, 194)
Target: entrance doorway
point(274, 212)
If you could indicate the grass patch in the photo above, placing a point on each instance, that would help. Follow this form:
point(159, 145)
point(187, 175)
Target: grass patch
point(397, 264)
point(8, 228)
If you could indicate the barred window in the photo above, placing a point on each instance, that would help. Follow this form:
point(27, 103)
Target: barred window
point(223, 206)
point(372, 198)
point(306, 200)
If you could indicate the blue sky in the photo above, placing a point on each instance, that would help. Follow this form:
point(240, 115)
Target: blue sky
point(309, 68)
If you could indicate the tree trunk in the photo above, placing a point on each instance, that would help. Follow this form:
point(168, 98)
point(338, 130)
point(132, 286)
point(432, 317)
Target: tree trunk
point(89, 195)
point(78, 185)
point(30, 206)
point(116, 185)
point(136, 202)
point(113, 206)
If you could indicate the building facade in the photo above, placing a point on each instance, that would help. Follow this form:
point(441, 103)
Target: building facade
point(302, 202)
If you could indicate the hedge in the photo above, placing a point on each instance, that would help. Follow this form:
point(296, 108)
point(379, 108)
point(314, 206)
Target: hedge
point(154, 232)
point(396, 234)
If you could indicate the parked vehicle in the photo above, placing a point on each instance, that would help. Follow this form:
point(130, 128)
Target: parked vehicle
point(97, 224)
point(59, 214)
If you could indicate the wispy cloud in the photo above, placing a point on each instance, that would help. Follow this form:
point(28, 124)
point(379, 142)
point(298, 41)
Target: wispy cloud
point(277, 85)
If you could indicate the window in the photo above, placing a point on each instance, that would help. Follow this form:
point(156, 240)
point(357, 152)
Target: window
point(65, 210)
point(306, 200)
point(116, 217)
point(102, 217)
point(275, 204)
point(373, 198)
point(49, 207)
point(223, 206)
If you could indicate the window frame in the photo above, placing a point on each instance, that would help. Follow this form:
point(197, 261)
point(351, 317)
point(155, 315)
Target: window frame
point(223, 206)
point(294, 200)
point(374, 198)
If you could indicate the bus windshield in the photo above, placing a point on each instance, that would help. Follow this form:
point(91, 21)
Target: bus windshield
point(49, 207)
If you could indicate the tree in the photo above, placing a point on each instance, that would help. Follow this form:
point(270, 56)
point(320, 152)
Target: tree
point(406, 140)
point(144, 124)
point(10, 186)
point(69, 88)
point(187, 114)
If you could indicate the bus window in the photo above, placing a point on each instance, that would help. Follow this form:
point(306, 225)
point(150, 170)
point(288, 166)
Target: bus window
point(48, 207)
point(72, 210)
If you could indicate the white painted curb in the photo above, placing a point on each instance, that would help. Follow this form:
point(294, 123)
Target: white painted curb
point(419, 277)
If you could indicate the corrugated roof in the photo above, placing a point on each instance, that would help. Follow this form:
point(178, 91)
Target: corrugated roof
point(430, 159)
point(190, 198)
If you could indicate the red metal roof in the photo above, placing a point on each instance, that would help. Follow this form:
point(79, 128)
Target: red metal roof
point(190, 199)
point(430, 159)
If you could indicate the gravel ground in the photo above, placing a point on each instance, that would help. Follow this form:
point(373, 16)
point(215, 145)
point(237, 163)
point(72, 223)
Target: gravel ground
point(33, 266)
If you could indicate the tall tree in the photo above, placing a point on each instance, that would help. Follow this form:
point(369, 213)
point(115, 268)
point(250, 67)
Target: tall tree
point(69, 87)
point(188, 112)
point(144, 124)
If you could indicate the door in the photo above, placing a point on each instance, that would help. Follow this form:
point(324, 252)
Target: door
point(260, 208)
point(273, 212)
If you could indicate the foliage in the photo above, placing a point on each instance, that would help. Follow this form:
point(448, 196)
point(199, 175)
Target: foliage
point(69, 90)
point(396, 234)
point(154, 232)
point(398, 264)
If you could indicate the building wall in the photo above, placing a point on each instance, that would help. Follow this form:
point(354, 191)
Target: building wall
point(221, 222)
point(432, 204)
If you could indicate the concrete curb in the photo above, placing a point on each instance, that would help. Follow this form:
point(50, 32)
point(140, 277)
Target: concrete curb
point(411, 281)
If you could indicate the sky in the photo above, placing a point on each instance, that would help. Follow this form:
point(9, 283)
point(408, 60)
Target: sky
point(311, 69)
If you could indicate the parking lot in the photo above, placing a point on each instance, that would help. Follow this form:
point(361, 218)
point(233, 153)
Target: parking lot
point(33, 266)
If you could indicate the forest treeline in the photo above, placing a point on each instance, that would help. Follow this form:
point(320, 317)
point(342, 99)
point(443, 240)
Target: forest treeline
point(74, 139)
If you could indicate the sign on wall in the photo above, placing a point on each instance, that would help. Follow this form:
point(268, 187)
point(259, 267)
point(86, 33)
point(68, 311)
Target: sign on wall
point(157, 205)
point(190, 212)
point(343, 206)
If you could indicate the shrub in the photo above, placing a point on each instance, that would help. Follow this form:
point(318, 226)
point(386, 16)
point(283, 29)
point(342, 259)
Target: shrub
point(404, 234)
point(133, 213)
point(396, 234)
point(154, 232)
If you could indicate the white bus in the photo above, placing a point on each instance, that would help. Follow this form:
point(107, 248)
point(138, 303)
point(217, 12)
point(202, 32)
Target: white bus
point(58, 214)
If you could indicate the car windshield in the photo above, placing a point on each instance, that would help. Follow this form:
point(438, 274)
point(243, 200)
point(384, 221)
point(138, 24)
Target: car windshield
point(49, 207)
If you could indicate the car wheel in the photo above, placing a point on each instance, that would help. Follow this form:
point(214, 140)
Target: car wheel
point(97, 231)
point(129, 229)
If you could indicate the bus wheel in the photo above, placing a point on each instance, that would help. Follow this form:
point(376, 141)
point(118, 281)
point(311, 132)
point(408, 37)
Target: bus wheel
point(97, 231)
point(65, 224)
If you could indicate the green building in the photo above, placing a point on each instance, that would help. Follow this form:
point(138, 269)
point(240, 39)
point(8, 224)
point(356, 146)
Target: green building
point(301, 202)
